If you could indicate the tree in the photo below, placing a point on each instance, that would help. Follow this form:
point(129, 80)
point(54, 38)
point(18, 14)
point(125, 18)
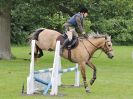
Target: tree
point(5, 9)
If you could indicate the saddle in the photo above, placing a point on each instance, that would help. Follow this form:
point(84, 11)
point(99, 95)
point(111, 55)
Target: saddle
point(70, 45)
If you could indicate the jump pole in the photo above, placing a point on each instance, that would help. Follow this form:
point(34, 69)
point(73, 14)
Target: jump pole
point(55, 73)
point(30, 78)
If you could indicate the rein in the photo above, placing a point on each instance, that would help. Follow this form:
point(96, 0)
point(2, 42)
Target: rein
point(98, 55)
point(94, 46)
point(86, 49)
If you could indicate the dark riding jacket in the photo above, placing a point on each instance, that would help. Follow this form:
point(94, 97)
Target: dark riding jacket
point(76, 21)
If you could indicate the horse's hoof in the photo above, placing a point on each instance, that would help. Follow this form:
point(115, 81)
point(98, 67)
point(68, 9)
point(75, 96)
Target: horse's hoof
point(88, 90)
point(91, 82)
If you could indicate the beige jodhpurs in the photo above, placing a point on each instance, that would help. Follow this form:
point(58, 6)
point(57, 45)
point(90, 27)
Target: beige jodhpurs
point(70, 31)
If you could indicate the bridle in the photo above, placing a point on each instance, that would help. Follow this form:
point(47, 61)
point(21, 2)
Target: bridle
point(105, 49)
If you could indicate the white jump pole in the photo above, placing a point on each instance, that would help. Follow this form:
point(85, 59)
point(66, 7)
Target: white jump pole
point(55, 72)
point(77, 77)
point(59, 75)
point(30, 78)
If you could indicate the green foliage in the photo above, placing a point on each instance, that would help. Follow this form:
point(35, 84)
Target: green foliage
point(29, 15)
point(87, 25)
point(121, 30)
point(112, 17)
point(111, 9)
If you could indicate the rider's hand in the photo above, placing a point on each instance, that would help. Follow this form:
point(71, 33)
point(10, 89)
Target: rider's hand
point(83, 33)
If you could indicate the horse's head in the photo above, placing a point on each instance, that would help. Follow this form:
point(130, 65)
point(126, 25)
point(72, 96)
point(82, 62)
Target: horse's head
point(107, 47)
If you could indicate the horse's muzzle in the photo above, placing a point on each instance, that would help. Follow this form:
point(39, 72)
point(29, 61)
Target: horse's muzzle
point(110, 55)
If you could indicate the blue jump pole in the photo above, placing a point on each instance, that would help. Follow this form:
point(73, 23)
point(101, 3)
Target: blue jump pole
point(41, 81)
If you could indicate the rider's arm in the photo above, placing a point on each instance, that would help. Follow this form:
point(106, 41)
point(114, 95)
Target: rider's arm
point(79, 24)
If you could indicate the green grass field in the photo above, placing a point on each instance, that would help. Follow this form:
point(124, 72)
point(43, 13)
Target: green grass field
point(114, 77)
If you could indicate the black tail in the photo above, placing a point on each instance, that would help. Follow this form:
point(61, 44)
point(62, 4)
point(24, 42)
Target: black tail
point(36, 33)
point(34, 36)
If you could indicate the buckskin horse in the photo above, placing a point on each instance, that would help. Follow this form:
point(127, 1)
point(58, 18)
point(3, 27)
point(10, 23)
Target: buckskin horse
point(45, 39)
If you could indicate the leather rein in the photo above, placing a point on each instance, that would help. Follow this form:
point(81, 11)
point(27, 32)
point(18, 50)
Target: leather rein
point(106, 51)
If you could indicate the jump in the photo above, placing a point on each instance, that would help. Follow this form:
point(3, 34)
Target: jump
point(81, 53)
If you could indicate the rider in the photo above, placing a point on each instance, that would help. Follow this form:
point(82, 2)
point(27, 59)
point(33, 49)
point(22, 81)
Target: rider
point(74, 26)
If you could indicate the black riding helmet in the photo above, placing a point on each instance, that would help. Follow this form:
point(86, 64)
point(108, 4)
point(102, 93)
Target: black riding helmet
point(84, 10)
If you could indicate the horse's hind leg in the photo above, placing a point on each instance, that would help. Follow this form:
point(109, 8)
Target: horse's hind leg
point(39, 52)
point(35, 52)
point(83, 72)
point(89, 63)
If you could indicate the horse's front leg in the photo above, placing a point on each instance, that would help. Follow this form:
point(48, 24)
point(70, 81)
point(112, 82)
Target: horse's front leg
point(89, 63)
point(83, 72)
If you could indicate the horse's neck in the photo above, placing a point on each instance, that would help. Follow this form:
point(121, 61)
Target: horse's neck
point(96, 44)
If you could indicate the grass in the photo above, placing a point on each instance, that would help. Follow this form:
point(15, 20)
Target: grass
point(114, 77)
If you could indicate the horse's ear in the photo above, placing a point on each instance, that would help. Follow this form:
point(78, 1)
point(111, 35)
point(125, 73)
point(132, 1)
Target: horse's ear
point(109, 37)
point(106, 37)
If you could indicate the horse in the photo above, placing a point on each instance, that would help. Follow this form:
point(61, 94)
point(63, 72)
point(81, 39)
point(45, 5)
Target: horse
point(45, 39)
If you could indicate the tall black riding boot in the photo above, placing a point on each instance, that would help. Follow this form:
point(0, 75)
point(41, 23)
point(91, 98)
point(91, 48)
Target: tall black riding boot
point(63, 46)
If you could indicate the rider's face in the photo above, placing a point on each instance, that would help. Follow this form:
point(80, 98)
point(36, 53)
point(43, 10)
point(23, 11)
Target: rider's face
point(85, 14)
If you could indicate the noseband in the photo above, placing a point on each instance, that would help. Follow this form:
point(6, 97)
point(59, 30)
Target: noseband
point(105, 49)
